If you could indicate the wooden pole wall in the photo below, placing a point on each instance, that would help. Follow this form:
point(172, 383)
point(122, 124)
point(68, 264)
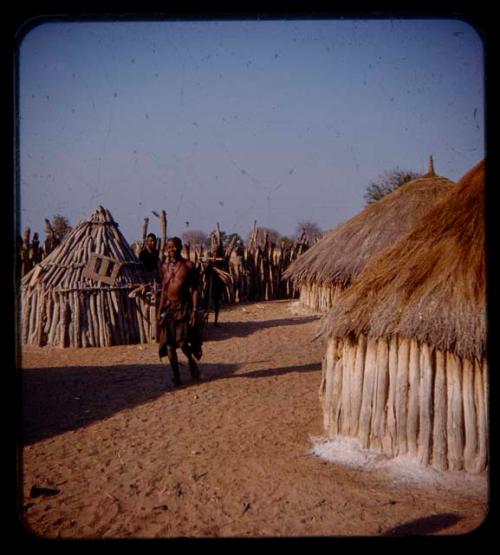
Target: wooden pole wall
point(319, 297)
point(402, 397)
point(97, 317)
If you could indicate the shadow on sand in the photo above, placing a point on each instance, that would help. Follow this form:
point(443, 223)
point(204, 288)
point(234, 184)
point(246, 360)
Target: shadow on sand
point(57, 400)
point(426, 525)
point(266, 373)
point(227, 330)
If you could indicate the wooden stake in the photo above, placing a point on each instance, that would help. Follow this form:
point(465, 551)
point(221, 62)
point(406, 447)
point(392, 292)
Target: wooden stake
point(439, 442)
point(329, 385)
point(25, 313)
point(345, 401)
point(365, 415)
point(163, 222)
point(63, 322)
point(42, 315)
point(145, 230)
point(381, 387)
point(389, 443)
point(94, 322)
point(54, 319)
point(140, 319)
point(413, 398)
point(454, 419)
point(427, 369)
point(470, 417)
point(401, 395)
point(358, 378)
point(336, 396)
point(122, 340)
point(77, 320)
point(34, 300)
point(481, 398)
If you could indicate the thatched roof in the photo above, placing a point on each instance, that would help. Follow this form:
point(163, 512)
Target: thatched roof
point(430, 285)
point(64, 266)
point(343, 252)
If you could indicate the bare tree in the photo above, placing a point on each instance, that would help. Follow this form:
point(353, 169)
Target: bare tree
point(61, 227)
point(260, 235)
point(387, 182)
point(196, 237)
point(311, 229)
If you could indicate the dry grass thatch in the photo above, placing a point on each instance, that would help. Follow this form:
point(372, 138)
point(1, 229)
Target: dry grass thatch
point(344, 251)
point(430, 285)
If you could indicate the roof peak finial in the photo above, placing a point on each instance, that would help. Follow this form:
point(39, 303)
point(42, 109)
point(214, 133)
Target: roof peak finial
point(431, 167)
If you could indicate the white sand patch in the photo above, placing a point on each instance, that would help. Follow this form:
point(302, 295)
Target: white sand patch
point(402, 470)
point(345, 451)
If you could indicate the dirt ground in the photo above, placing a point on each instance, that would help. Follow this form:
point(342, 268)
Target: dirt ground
point(110, 449)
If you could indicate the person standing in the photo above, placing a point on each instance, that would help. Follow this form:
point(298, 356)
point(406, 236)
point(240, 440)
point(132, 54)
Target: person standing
point(149, 257)
point(178, 322)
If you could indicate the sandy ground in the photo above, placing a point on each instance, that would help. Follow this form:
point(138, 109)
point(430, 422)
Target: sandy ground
point(118, 452)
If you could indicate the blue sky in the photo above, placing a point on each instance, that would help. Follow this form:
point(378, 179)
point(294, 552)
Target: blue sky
point(236, 121)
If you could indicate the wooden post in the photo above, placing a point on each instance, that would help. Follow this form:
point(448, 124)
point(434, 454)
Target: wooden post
point(48, 317)
point(93, 321)
point(253, 240)
point(330, 360)
point(365, 415)
point(401, 395)
point(54, 319)
point(63, 331)
point(218, 236)
point(34, 300)
point(336, 394)
point(470, 417)
point(345, 399)
point(427, 367)
point(389, 441)
point(380, 393)
point(455, 412)
point(163, 222)
point(152, 317)
point(76, 303)
point(358, 378)
point(481, 398)
point(139, 319)
point(120, 339)
point(439, 449)
point(103, 304)
point(413, 398)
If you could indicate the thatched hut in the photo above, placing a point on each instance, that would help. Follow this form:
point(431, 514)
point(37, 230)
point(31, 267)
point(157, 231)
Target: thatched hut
point(323, 271)
point(405, 369)
point(85, 292)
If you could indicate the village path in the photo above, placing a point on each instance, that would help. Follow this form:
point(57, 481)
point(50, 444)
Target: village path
point(127, 455)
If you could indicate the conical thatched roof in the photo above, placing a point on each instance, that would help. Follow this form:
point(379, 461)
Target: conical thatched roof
point(343, 252)
point(64, 267)
point(430, 285)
